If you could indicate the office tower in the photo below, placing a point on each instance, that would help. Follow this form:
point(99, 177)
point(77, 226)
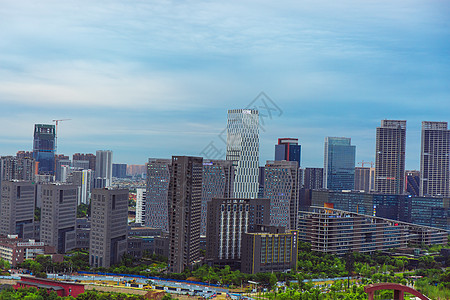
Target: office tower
point(243, 150)
point(288, 149)
point(119, 170)
point(85, 157)
point(44, 148)
point(62, 163)
point(412, 182)
point(109, 218)
point(281, 187)
point(141, 198)
point(58, 214)
point(103, 168)
point(261, 182)
point(313, 178)
point(228, 220)
point(390, 157)
point(157, 203)
point(83, 179)
point(269, 249)
point(17, 209)
point(185, 198)
point(339, 164)
point(434, 159)
point(218, 180)
point(364, 179)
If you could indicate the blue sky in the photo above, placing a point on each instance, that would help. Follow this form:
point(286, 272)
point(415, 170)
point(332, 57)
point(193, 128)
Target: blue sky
point(155, 78)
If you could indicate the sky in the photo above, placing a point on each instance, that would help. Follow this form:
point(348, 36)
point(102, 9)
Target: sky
point(156, 78)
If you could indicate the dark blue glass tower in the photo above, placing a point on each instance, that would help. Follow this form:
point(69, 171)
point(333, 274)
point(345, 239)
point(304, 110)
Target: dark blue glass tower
point(44, 148)
point(288, 149)
point(339, 164)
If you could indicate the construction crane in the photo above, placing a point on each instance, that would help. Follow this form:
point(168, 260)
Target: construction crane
point(362, 163)
point(56, 131)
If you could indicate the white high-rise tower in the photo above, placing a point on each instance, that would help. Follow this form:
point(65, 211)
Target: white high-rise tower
point(243, 150)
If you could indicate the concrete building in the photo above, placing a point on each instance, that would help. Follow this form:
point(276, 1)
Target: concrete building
point(58, 215)
point(364, 179)
point(313, 178)
point(185, 198)
point(243, 150)
point(17, 209)
point(15, 168)
point(288, 149)
point(217, 182)
point(269, 249)
point(85, 157)
point(156, 204)
point(109, 216)
point(15, 251)
point(390, 157)
point(84, 180)
point(62, 164)
point(339, 232)
point(228, 220)
point(281, 186)
point(339, 164)
point(119, 170)
point(83, 232)
point(141, 199)
point(435, 160)
point(103, 168)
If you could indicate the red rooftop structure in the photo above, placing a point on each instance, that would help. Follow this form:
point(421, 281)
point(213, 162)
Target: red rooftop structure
point(63, 289)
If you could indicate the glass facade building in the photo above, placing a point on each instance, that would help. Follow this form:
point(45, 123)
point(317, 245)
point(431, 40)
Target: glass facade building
point(288, 149)
point(44, 148)
point(339, 164)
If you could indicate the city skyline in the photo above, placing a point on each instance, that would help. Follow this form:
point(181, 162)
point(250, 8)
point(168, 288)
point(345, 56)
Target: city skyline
point(156, 79)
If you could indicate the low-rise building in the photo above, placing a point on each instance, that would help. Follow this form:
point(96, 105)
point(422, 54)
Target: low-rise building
point(16, 251)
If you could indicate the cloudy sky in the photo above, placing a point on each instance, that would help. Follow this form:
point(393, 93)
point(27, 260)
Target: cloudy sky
point(156, 78)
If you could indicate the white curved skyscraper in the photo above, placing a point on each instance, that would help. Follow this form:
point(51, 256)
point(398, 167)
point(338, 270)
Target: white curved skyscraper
point(243, 150)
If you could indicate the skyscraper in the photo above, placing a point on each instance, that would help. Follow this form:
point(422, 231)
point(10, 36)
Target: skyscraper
point(17, 208)
point(12, 167)
point(218, 180)
point(434, 159)
point(83, 179)
point(44, 148)
point(313, 178)
point(243, 150)
point(157, 203)
point(58, 215)
point(288, 149)
point(339, 164)
point(109, 230)
point(103, 168)
point(85, 157)
point(390, 157)
point(185, 197)
point(140, 205)
point(281, 187)
point(364, 179)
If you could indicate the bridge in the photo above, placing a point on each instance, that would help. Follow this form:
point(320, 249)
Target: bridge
point(399, 290)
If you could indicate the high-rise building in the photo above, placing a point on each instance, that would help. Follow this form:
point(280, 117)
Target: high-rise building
point(119, 170)
point(62, 164)
point(282, 188)
point(288, 149)
point(435, 160)
point(103, 168)
point(17, 208)
point(313, 178)
point(85, 157)
point(261, 182)
point(185, 198)
point(44, 148)
point(228, 220)
point(157, 203)
point(339, 164)
point(390, 157)
point(218, 180)
point(15, 168)
point(364, 179)
point(24, 154)
point(58, 215)
point(109, 227)
point(83, 179)
point(141, 199)
point(81, 164)
point(412, 182)
point(243, 150)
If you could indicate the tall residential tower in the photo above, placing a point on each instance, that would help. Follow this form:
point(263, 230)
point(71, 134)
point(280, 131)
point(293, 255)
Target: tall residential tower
point(390, 157)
